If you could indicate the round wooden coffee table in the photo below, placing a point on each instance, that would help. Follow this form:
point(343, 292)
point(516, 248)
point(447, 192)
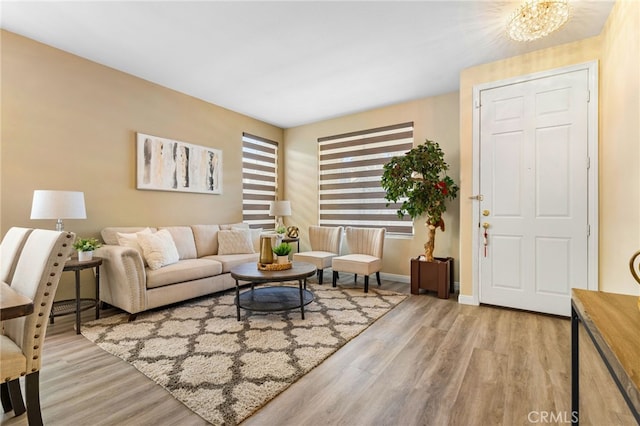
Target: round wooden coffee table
point(273, 298)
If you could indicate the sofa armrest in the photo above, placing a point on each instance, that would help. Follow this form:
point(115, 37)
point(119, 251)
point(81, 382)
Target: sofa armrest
point(123, 280)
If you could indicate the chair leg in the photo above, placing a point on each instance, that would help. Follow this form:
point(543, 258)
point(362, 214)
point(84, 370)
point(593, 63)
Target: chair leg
point(366, 283)
point(15, 395)
point(378, 278)
point(34, 416)
point(355, 279)
point(335, 278)
point(320, 276)
point(4, 396)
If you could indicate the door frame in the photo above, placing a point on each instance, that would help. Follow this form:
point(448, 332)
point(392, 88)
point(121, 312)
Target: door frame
point(592, 179)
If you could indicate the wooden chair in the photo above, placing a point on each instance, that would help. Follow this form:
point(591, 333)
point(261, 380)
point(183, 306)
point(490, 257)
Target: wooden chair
point(365, 254)
point(325, 245)
point(36, 276)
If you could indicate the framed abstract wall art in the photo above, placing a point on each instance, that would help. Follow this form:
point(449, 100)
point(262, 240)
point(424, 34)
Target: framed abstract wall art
point(170, 165)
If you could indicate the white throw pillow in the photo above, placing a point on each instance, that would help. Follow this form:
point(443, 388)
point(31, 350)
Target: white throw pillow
point(131, 240)
point(235, 241)
point(255, 236)
point(159, 249)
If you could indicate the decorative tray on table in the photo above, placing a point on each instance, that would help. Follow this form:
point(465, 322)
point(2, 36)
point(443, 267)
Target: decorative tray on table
point(274, 266)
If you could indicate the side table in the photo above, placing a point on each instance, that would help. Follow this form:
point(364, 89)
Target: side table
point(65, 307)
point(292, 240)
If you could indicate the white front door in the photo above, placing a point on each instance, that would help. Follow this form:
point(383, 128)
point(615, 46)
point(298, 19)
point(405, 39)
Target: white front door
point(534, 183)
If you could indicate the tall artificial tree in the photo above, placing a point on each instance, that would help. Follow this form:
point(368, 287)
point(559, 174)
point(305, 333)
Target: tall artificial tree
point(419, 180)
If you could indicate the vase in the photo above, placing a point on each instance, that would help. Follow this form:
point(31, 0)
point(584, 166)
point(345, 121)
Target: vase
point(83, 256)
point(266, 255)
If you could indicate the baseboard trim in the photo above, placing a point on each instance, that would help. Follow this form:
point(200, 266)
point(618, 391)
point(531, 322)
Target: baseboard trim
point(468, 300)
point(394, 277)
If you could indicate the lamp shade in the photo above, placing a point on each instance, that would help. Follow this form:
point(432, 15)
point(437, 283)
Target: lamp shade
point(280, 208)
point(58, 205)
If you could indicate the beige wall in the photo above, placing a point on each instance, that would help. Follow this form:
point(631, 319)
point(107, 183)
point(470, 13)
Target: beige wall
point(68, 123)
point(617, 50)
point(434, 118)
point(620, 148)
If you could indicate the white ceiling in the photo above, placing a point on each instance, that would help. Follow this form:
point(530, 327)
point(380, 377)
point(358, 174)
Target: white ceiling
point(296, 62)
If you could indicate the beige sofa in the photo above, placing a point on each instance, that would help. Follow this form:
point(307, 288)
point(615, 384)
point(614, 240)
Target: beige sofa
point(132, 279)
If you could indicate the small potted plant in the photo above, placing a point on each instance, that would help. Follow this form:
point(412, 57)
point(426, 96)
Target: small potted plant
point(85, 247)
point(282, 250)
point(280, 234)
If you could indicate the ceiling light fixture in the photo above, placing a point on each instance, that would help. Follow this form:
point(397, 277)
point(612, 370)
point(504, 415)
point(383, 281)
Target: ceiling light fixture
point(537, 18)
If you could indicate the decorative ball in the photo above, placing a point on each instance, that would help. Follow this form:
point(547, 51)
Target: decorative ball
point(292, 232)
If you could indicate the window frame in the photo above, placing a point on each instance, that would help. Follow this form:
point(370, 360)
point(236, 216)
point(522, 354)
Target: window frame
point(350, 167)
point(259, 179)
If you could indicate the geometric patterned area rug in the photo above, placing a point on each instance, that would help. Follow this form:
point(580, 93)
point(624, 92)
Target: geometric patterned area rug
point(223, 369)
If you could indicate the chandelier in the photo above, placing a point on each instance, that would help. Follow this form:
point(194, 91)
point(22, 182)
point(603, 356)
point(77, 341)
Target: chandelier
point(537, 18)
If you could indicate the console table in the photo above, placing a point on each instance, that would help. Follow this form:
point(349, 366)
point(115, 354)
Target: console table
point(612, 321)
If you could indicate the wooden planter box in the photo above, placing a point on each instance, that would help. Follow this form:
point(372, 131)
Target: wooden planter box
point(432, 276)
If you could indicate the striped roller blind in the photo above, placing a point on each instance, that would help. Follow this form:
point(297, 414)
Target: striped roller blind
point(350, 173)
point(259, 180)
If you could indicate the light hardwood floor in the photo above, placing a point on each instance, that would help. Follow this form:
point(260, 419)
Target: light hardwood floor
point(427, 362)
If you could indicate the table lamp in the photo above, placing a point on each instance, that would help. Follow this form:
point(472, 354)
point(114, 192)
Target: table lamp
point(58, 205)
point(279, 209)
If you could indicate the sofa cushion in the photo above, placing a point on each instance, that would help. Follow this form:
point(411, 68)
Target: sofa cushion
point(184, 270)
point(159, 249)
point(110, 234)
point(206, 239)
point(235, 241)
point(183, 238)
point(228, 261)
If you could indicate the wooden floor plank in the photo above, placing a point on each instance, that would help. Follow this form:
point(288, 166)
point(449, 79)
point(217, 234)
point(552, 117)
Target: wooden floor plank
point(427, 362)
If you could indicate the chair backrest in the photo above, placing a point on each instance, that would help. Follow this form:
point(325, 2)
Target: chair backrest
point(365, 241)
point(325, 238)
point(634, 265)
point(37, 276)
point(10, 249)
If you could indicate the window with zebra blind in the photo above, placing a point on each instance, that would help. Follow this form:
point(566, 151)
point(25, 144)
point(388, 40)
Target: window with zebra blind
point(350, 168)
point(259, 180)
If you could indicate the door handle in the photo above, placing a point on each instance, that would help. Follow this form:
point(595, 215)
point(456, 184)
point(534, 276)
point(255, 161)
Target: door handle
point(486, 225)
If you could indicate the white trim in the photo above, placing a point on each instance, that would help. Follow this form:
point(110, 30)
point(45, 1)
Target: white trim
point(396, 278)
point(592, 149)
point(468, 300)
